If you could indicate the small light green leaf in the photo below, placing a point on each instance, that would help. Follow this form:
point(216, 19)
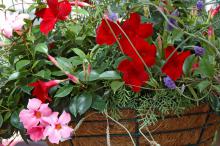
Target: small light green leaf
point(1, 120)
point(22, 63)
point(75, 28)
point(15, 121)
point(110, 75)
point(79, 52)
point(80, 104)
point(217, 88)
point(42, 48)
point(206, 67)
point(203, 85)
point(115, 85)
point(188, 64)
point(64, 91)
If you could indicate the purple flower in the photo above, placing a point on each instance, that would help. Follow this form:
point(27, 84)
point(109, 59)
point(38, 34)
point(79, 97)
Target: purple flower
point(199, 4)
point(172, 20)
point(169, 82)
point(112, 16)
point(199, 51)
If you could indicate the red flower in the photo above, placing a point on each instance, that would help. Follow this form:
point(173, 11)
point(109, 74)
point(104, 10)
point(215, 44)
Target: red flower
point(104, 34)
point(133, 27)
point(174, 67)
point(145, 50)
point(55, 12)
point(41, 89)
point(134, 74)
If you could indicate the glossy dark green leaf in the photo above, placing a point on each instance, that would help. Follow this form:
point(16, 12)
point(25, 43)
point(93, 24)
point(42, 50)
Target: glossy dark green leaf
point(110, 75)
point(42, 48)
point(15, 121)
point(80, 104)
point(64, 91)
point(99, 103)
point(22, 63)
point(94, 75)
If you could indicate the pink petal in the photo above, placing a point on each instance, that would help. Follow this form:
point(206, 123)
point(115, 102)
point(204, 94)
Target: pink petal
point(45, 110)
point(36, 133)
point(34, 104)
point(7, 31)
point(28, 119)
point(64, 118)
point(52, 119)
point(54, 137)
point(48, 131)
point(66, 132)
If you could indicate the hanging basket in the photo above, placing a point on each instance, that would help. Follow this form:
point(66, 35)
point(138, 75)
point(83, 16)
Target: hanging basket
point(196, 127)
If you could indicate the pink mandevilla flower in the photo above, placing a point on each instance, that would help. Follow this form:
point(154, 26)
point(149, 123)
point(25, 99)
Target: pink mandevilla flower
point(36, 133)
point(58, 128)
point(35, 113)
point(12, 22)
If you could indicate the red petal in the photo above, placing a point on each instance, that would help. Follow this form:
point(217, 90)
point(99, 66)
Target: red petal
point(131, 24)
point(45, 13)
point(53, 5)
point(64, 10)
point(104, 34)
point(145, 50)
point(134, 74)
point(47, 25)
point(145, 30)
point(174, 67)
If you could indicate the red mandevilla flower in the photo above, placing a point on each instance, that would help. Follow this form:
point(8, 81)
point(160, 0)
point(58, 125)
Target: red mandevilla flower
point(41, 89)
point(133, 44)
point(174, 66)
point(134, 74)
point(104, 34)
point(55, 12)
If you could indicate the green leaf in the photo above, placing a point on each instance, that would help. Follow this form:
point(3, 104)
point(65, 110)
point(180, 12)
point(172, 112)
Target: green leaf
point(1, 120)
point(64, 91)
point(7, 116)
point(188, 64)
point(217, 88)
point(207, 67)
point(99, 103)
point(94, 75)
point(22, 63)
point(45, 74)
point(115, 85)
point(15, 121)
point(14, 76)
point(65, 64)
point(110, 75)
point(80, 104)
point(203, 85)
point(42, 48)
point(79, 52)
point(75, 28)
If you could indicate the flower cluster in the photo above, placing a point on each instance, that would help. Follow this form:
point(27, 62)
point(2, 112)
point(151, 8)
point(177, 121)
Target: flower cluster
point(131, 37)
point(12, 23)
point(41, 122)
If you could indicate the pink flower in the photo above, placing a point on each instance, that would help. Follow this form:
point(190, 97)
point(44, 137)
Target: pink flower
point(12, 22)
point(32, 116)
point(36, 133)
point(58, 127)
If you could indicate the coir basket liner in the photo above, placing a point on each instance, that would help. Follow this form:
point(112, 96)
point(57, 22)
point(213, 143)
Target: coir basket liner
point(196, 127)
